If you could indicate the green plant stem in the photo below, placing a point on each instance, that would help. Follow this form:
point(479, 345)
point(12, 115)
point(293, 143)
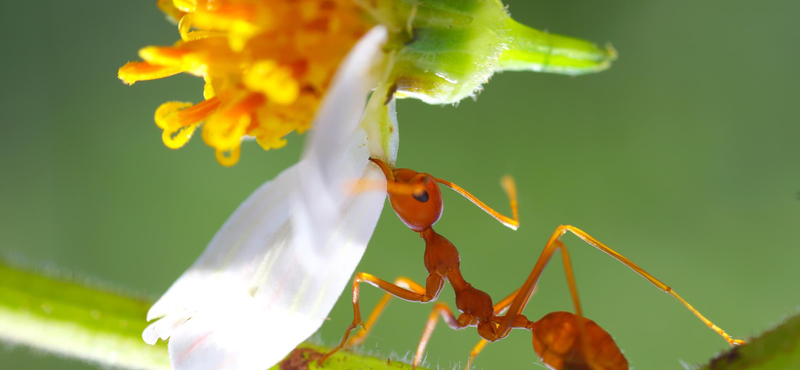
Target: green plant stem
point(74, 319)
point(99, 325)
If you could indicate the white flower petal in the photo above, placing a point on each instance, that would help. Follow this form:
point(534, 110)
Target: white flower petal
point(273, 272)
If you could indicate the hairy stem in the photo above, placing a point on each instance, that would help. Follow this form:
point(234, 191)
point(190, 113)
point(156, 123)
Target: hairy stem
point(100, 325)
point(75, 320)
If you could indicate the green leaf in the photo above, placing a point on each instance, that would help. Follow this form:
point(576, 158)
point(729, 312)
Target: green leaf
point(776, 349)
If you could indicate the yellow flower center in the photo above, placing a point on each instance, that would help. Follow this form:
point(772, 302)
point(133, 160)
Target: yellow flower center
point(266, 65)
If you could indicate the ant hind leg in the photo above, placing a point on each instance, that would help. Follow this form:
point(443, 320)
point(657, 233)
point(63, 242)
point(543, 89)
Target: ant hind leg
point(664, 287)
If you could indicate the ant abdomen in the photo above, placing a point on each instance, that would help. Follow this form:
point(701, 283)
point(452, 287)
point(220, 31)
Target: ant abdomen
point(562, 345)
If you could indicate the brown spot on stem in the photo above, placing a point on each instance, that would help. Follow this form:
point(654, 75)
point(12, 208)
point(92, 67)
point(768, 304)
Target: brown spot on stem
point(726, 358)
point(390, 93)
point(299, 359)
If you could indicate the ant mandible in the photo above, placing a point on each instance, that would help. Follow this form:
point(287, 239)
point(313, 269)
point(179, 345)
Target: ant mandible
point(562, 340)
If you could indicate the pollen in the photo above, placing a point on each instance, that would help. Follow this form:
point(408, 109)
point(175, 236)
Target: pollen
point(266, 65)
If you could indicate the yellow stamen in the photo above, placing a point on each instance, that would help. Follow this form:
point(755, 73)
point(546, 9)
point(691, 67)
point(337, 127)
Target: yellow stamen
point(274, 81)
point(266, 65)
point(179, 114)
point(185, 29)
point(176, 138)
point(225, 130)
point(143, 71)
point(231, 158)
point(185, 5)
point(169, 9)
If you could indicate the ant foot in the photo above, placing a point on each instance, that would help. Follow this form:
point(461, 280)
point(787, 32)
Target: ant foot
point(358, 339)
point(736, 342)
point(321, 360)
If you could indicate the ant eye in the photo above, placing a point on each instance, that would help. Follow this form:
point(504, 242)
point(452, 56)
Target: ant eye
point(421, 196)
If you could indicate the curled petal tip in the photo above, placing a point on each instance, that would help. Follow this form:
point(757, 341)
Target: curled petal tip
point(149, 334)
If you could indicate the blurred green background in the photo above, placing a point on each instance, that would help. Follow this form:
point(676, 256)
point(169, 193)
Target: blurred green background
point(684, 157)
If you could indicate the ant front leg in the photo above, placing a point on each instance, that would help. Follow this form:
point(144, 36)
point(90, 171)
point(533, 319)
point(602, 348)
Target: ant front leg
point(402, 282)
point(433, 286)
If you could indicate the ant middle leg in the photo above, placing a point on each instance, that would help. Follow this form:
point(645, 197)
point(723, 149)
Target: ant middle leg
point(499, 309)
point(521, 323)
point(440, 309)
point(433, 286)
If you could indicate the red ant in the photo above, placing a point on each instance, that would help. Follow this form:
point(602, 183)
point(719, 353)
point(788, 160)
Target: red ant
point(562, 340)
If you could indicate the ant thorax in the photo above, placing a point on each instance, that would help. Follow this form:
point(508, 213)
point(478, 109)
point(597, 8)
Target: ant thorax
point(441, 256)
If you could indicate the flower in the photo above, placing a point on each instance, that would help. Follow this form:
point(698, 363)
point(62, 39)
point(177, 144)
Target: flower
point(268, 63)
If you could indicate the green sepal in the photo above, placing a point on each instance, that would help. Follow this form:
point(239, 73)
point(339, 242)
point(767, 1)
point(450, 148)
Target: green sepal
point(538, 51)
point(444, 50)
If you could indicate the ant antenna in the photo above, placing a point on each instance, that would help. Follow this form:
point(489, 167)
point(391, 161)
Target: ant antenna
point(507, 182)
point(394, 187)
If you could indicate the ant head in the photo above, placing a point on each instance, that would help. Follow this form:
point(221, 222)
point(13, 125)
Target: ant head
point(416, 199)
